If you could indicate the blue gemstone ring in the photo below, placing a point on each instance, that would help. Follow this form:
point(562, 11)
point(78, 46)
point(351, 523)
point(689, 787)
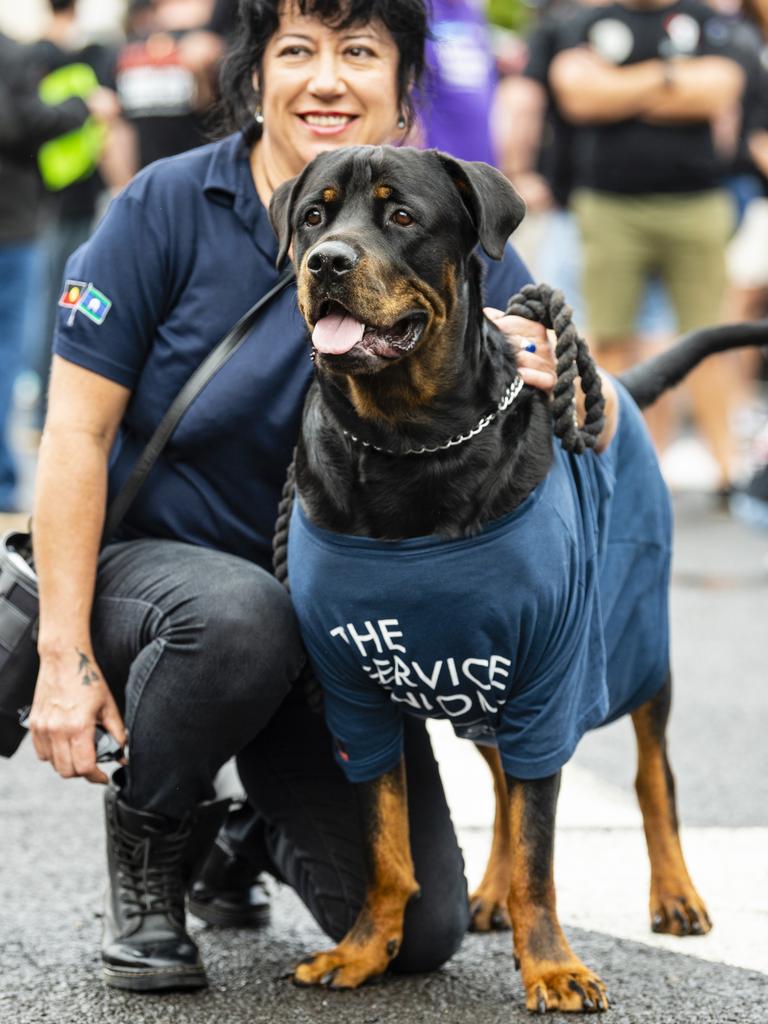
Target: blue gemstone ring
point(530, 347)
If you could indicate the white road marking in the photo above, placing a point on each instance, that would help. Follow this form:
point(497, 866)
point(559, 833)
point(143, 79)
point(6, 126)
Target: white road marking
point(602, 867)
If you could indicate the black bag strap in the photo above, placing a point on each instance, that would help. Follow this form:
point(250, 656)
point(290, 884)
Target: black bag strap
point(212, 363)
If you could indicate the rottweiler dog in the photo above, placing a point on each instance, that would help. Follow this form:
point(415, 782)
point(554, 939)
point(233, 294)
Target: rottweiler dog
point(448, 558)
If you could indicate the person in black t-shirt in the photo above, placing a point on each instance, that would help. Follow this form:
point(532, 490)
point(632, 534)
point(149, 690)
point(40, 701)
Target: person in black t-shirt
point(535, 145)
point(165, 77)
point(748, 252)
point(644, 81)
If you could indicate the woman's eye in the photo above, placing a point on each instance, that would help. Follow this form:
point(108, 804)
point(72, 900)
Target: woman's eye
point(359, 51)
point(293, 51)
point(313, 217)
point(402, 217)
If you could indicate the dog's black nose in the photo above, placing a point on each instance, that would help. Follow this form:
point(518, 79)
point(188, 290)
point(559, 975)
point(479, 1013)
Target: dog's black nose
point(331, 260)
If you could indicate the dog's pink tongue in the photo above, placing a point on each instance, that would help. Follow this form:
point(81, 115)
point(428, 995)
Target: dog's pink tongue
point(336, 334)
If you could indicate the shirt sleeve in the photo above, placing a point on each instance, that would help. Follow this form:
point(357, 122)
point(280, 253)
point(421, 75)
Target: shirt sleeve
point(367, 727)
point(722, 37)
point(125, 267)
point(541, 49)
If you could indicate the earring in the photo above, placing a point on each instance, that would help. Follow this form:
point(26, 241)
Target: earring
point(258, 117)
point(401, 122)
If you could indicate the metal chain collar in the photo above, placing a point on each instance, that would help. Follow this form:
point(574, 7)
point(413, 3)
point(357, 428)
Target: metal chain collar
point(507, 399)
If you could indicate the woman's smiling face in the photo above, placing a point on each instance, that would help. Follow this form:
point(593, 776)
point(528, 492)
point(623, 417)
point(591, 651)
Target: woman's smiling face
point(322, 88)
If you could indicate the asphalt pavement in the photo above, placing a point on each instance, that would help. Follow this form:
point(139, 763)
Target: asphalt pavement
point(52, 861)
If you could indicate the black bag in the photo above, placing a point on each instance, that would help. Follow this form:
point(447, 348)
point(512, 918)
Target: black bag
point(18, 636)
point(19, 661)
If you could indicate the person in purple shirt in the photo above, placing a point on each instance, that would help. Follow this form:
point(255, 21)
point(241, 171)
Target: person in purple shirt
point(455, 100)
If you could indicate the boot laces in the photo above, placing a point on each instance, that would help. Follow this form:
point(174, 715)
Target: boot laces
point(150, 873)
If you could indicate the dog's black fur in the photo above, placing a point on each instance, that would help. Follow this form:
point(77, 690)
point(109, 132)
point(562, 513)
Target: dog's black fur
point(388, 235)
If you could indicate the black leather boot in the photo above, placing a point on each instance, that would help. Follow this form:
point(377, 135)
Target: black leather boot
point(146, 947)
point(227, 891)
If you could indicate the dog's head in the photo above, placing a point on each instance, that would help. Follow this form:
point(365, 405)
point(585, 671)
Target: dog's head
point(382, 240)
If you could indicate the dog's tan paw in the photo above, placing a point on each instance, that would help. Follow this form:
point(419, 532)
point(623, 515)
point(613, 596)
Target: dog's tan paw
point(488, 912)
point(680, 912)
point(574, 990)
point(346, 966)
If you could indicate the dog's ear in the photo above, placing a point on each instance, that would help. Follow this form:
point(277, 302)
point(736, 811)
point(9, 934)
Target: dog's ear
point(493, 205)
point(281, 207)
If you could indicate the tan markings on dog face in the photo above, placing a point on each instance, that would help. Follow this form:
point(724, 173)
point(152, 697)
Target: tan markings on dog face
point(382, 192)
point(401, 391)
point(376, 293)
point(675, 905)
point(548, 965)
point(303, 296)
point(398, 393)
point(330, 195)
point(376, 935)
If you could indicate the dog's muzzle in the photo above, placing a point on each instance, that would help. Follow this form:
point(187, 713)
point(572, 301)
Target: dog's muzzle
point(337, 331)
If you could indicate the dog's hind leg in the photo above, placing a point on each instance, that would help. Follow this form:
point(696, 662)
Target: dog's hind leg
point(488, 903)
point(375, 937)
point(554, 977)
point(676, 906)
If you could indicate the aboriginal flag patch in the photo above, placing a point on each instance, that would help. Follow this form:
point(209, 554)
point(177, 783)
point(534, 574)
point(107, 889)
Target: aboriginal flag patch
point(73, 293)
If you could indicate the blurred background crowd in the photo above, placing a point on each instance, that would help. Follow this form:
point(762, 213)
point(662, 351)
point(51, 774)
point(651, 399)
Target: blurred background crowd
point(636, 131)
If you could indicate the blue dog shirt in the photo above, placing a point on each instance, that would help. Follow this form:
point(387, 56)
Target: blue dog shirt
point(550, 622)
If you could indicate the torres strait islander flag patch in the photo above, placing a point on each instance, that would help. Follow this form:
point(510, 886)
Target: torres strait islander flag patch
point(84, 298)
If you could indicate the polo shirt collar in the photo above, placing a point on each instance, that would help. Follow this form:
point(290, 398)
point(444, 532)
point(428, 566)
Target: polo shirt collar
point(229, 182)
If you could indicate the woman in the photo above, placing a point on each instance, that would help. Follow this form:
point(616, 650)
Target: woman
point(179, 612)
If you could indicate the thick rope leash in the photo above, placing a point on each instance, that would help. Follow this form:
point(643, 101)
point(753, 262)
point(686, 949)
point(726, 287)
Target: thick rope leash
point(547, 306)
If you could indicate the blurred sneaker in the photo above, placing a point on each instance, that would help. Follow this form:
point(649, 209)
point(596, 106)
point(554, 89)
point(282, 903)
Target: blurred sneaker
point(688, 466)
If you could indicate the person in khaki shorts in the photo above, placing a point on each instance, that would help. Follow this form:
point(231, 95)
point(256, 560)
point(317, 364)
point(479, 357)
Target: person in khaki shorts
point(644, 81)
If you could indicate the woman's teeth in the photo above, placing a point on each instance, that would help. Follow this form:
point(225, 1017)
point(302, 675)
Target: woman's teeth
point(327, 120)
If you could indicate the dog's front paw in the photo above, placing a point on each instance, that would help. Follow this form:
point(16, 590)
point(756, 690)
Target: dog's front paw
point(678, 910)
point(346, 966)
point(489, 911)
point(574, 990)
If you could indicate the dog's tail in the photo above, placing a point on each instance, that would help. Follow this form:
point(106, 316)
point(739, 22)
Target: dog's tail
point(651, 379)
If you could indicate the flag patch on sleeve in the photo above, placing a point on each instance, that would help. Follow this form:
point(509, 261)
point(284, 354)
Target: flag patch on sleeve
point(73, 293)
point(94, 304)
point(82, 297)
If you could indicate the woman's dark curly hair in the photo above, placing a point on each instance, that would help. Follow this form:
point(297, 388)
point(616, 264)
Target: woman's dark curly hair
point(258, 20)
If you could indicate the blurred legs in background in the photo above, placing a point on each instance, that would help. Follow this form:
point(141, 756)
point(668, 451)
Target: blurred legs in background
point(681, 239)
point(17, 302)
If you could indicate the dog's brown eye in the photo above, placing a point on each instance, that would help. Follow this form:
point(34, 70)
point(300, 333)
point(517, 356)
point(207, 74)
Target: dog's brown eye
point(402, 217)
point(313, 217)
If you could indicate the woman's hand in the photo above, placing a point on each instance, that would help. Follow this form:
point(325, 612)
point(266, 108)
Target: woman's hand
point(537, 367)
point(71, 699)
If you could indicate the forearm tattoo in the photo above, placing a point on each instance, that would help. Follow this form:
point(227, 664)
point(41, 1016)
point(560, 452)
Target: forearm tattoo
point(88, 673)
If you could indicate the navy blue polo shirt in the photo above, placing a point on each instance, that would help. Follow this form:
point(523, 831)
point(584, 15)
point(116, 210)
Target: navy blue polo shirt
point(549, 622)
point(181, 254)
